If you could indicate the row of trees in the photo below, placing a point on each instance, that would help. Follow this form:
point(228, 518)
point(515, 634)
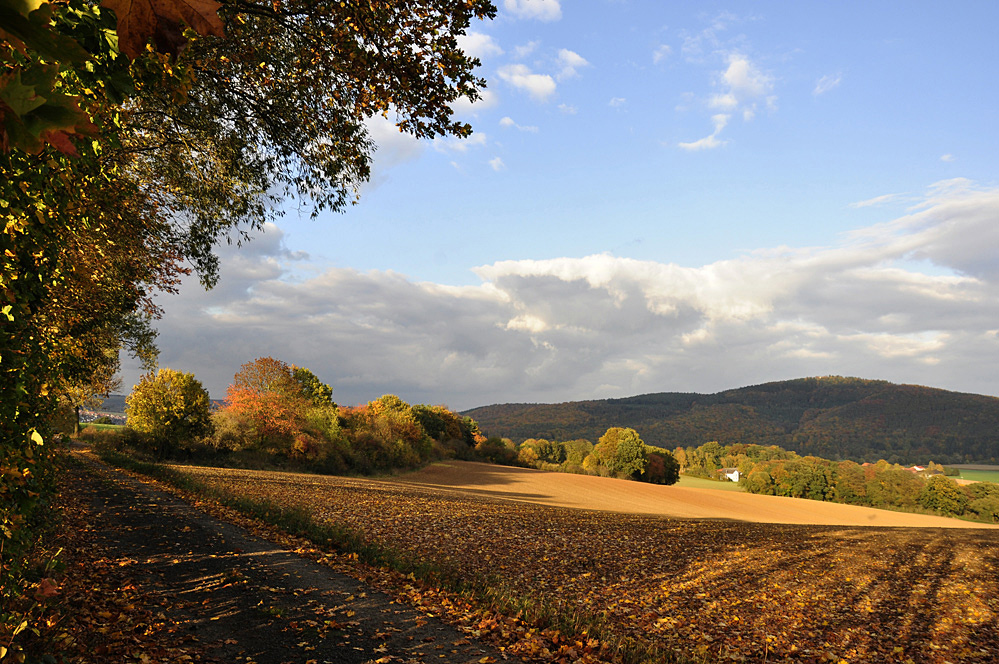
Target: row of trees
point(620, 453)
point(286, 413)
point(772, 470)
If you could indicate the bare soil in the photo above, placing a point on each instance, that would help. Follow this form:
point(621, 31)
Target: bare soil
point(613, 495)
point(709, 589)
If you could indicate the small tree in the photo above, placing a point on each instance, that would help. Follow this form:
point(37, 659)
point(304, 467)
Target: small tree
point(943, 495)
point(170, 407)
point(265, 394)
point(662, 468)
point(622, 452)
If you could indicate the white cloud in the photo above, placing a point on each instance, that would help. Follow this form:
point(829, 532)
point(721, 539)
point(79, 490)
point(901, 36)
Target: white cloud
point(508, 122)
point(570, 62)
point(947, 158)
point(542, 10)
point(827, 83)
point(695, 45)
point(567, 109)
point(877, 200)
point(524, 50)
point(497, 164)
point(392, 148)
point(479, 45)
point(465, 107)
point(743, 85)
point(538, 86)
point(451, 144)
point(661, 53)
point(617, 102)
point(711, 141)
point(572, 328)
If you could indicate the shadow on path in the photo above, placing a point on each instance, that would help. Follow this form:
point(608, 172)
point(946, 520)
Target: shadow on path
point(246, 599)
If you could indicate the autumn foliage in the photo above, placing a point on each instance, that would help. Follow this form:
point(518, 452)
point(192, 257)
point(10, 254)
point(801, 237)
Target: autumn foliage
point(772, 470)
point(288, 414)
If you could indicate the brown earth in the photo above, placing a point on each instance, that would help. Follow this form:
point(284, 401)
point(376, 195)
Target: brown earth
point(707, 589)
point(151, 579)
point(613, 495)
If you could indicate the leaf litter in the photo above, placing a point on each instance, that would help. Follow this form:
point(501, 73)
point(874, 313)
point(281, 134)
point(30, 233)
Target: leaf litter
point(670, 588)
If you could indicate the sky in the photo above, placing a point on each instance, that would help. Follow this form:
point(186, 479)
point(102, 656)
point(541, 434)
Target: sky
point(656, 197)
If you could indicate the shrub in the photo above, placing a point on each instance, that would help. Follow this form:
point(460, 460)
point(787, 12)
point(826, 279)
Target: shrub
point(663, 468)
point(497, 450)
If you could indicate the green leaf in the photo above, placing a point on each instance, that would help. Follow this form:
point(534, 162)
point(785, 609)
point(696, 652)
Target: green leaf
point(29, 23)
point(21, 98)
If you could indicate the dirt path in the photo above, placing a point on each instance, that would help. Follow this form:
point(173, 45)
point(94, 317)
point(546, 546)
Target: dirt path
point(244, 599)
point(612, 495)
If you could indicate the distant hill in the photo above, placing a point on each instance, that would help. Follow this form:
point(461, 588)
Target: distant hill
point(114, 403)
point(831, 417)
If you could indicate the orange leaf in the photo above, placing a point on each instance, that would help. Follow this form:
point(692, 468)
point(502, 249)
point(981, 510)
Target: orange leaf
point(140, 20)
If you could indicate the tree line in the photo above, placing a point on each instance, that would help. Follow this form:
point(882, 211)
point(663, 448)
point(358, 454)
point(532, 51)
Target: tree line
point(619, 452)
point(276, 413)
point(772, 470)
point(280, 413)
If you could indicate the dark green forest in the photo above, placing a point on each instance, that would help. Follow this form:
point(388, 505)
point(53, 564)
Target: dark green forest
point(831, 417)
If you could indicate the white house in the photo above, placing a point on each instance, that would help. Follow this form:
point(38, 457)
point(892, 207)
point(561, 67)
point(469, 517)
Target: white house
point(730, 473)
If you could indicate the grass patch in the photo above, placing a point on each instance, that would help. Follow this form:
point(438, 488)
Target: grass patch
point(689, 482)
point(490, 594)
point(101, 427)
point(980, 475)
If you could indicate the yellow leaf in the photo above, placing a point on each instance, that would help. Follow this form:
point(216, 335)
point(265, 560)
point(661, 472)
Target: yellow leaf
point(36, 438)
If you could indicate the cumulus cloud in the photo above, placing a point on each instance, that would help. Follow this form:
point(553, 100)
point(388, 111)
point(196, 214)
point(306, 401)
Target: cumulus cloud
point(947, 158)
point(567, 109)
point(602, 325)
point(479, 45)
point(524, 50)
point(392, 148)
point(538, 86)
point(617, 102)
point(463, 106)
point(662, 52)
point(541, 10)
point(743, 86)
point(496, 163)
point(570, 63)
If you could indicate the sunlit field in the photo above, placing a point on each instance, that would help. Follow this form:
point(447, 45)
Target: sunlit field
point(710, 588)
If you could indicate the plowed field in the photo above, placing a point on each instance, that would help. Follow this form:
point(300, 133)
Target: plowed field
point(612, 495)
point(727, 586)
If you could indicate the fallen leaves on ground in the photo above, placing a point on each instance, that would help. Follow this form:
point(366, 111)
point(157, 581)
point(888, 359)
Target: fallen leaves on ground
point(95, 611)
point(726, 591)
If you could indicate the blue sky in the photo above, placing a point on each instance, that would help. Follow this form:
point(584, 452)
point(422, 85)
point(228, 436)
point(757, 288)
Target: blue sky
point(657, 197)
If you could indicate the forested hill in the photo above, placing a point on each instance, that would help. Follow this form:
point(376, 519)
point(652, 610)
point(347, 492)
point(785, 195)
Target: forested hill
point(830, 417)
